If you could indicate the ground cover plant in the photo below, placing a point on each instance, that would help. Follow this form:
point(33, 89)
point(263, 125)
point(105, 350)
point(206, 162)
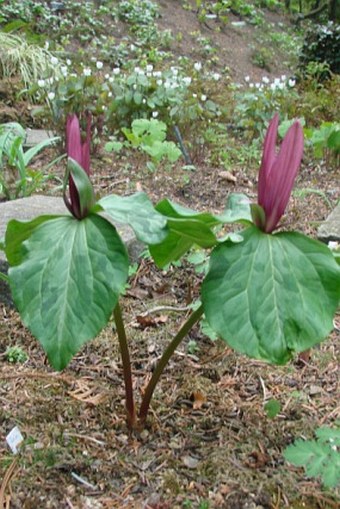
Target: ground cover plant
point(218, 423)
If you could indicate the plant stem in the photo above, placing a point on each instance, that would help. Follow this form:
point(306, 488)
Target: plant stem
point(124, 351)
point(186, 327)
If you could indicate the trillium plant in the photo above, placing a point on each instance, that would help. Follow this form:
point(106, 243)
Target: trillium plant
point(268, 293)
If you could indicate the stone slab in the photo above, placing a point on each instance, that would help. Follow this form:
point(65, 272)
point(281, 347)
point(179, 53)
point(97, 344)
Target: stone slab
point(329, 230)
point(26, 209)
point(35, 136)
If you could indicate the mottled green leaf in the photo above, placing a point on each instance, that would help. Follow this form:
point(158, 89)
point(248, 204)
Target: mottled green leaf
point(186, 228)
point(138, 212)
point(16, 233)
point(83, 185)
point(237, 210)
point(68, 281)
point(271, 295)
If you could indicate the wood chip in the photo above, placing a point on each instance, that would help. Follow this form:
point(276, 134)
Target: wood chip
point(226, 175)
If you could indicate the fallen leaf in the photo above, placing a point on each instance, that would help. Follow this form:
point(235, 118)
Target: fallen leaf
point(87, 394)
point(226, 175)
point(150, 321)
point(314, 390)
point(137, 293)
point(258, 459)
point(198, 400)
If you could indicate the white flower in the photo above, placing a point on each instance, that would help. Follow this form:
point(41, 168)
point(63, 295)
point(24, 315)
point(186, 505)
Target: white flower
point(64, 70)
point(41, 83)
point(187, 80)
point(155, 114)
point(157, 74)
point(132, 47)
point(109, 94)
point(247, 79)
point(194, 96)
point(283, 77)
point(134, 86)
point(159, 82)
point(203, 97)
point(47, 45)
point(265, 79)
point(281, 86)
point(149, 68)
point(111, 79)
point(291, 83)
point(257, 85)
point(216, 76)
point(273, 86)
point(54, 60)
point(197, 66)
point(87, 71)
point(50, 80)
point(174, 71)
point(167, 84)
point(116, 71)
point(99, 64)
point(106, 76)
point(251, 85)
point(276, 81)
point(144, 101)
point(51, 96)
point(137, 70)
point(68, 62)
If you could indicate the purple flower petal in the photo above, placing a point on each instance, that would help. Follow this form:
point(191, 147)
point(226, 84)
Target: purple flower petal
point(278, 172)
point(80, 152)
point(268, 157)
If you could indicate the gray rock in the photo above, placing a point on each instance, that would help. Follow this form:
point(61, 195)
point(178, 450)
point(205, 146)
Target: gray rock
point(330, 229)
point(35, 136)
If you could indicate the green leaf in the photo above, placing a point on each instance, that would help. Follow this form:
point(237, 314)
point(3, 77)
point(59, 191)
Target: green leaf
point(68, 282)
point(333, 141)
point(138, 98)
point(272, 408)
point(4, 277)
point(113, 146)
point(186, 228)
point(331, 435)
point(16, 233)
point(83, 184)
point(29, 154)
point(317, 458)
point(271, 295)
point(138, 212)
point(237, 210)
